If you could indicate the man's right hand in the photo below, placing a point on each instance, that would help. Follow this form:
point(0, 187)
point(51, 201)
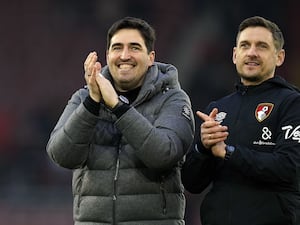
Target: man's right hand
point(91, 68)
point(212, 132)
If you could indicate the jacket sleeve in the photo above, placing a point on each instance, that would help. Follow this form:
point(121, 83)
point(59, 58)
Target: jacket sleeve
point(68, 141)
point(280, 167)
point(162, 143)
point(198, 169)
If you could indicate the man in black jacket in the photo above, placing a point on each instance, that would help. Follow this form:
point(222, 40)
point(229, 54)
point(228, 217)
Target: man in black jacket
point(249, 147)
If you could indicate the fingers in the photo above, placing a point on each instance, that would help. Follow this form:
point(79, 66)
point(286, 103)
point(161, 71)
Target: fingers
point(210, 139)
point(92, 67)
point(96, 69)
point(205, 117)
point(211, 131)
point(89, 63)
point(216, 137)
point(108, 92)
point(90, 59)
point(214, 133)
point(213, 113)
point(90, 75)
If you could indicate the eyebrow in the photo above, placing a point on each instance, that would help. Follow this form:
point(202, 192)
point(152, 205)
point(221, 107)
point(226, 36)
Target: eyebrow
point(131, 43)
point(256, 43)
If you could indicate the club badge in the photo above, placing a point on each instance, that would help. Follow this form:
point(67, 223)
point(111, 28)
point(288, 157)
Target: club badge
point(263, 110)
point(220, 116)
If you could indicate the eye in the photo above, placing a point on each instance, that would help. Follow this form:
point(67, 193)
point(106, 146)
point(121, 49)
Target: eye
point(244, 45)
point(263, 46)
point(115, 48)
point(135, 48)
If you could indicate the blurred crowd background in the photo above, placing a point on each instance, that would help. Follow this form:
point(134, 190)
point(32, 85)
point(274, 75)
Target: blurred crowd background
point(43, 44)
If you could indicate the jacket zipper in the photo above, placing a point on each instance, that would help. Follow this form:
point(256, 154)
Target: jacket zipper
point(163, 193)
point(114, 197)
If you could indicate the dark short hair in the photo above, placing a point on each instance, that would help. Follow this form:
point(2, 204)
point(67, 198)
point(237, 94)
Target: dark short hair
point(147, 32)
point(258, 21)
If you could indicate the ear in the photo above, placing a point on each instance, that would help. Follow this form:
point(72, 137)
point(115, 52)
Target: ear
point(280, 57)
point(234, 55)
point(151, 58)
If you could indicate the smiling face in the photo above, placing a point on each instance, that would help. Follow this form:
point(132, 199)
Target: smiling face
point(128, 59)
point(255, 55)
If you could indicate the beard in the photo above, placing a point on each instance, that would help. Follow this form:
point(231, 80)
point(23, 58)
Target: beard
point(252, 79)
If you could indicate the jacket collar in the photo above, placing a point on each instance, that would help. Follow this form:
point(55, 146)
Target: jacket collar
point(276, 81)
point(159, 78)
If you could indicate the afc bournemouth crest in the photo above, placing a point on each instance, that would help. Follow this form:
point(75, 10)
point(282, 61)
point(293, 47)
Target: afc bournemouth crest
point(263, 110)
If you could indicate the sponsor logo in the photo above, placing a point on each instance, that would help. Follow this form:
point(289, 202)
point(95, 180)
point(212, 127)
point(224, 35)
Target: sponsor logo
point(263, 110)
point(260, 142)
point(266, 135)
point(291, 132)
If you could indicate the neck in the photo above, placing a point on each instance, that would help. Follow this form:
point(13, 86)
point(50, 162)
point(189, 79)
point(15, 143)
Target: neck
point(130, 95)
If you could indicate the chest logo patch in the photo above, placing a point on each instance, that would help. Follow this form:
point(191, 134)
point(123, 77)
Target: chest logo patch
point(263, 110)
point(220, 116)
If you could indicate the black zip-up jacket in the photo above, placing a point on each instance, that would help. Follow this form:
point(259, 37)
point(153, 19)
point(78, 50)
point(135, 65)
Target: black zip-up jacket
point(259, 184)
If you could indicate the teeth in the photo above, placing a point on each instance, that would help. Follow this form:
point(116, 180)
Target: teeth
point(125, 66)
point(252, 63)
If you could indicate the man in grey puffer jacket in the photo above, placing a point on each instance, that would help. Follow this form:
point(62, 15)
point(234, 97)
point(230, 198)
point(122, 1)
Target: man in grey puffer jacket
point(125, 134)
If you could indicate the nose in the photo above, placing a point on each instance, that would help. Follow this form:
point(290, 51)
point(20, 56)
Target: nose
point(252, 51)
point(125, 54)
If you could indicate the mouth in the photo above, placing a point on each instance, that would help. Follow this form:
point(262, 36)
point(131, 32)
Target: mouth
point(125, 66)
point(252, 63)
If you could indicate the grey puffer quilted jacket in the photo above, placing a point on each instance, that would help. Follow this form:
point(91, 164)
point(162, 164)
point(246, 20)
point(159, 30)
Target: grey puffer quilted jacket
point(126, 171)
